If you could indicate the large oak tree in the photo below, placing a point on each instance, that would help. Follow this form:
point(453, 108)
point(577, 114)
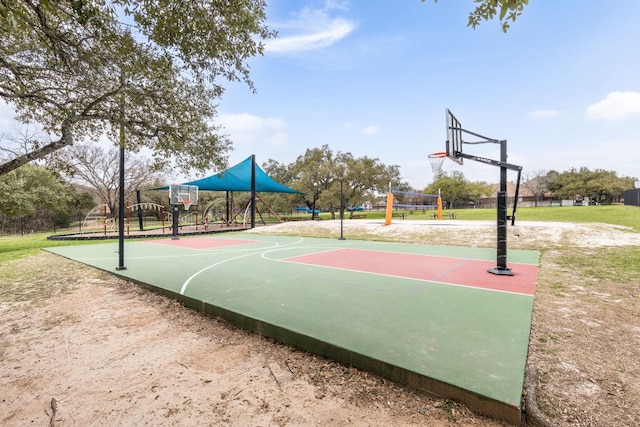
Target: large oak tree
point(319, 172)
point(81, 68)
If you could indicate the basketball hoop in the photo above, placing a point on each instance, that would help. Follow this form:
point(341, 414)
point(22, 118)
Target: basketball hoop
point(436, 160)
point(187, 204)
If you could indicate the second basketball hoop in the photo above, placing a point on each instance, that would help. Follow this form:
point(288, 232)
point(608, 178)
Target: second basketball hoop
point(436, 160)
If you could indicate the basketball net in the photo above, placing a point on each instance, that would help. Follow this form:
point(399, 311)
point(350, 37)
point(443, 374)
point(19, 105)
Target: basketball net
point(187, 204)
point(436, 160)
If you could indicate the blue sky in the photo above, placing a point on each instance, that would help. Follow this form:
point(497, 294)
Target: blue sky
point(374, 78)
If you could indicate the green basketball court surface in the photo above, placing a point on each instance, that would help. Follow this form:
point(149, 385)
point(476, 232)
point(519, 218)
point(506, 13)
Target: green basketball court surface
point(430, 317)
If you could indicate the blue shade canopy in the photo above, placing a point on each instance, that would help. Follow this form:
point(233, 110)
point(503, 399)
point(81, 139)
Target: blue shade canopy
point(238, 178)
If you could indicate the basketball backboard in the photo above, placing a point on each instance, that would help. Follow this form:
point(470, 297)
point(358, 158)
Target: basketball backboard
point(454, 138)
point(185, 195)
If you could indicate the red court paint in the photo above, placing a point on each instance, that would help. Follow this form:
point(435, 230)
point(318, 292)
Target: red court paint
point(201, 242)
point(457, 271)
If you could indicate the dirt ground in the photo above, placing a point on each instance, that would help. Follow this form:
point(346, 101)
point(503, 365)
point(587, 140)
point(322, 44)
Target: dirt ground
point(81, 347)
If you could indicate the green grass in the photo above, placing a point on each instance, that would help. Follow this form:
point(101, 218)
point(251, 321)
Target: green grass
point(13, 247)
point(628, 216)
point(619, 264)
point(624, 215)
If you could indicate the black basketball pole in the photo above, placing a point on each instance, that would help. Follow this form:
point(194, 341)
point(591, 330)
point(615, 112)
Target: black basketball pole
point(121, 208)
point(501, 199)
point(454, 150)
point(121, 205)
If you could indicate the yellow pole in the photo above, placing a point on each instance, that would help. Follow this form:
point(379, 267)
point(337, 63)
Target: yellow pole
point(439, 208)
point(389, 213)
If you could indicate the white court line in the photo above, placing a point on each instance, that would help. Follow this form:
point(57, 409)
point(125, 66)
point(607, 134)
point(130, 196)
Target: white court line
point(185, 284)
point(254, 252)
point(395, 276)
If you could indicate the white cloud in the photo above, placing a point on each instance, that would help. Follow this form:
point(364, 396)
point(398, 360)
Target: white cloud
point(371, 130)
point(616, 106)
point(278, 139)
point(544, 114)
point(311, 29)
point(247, 129)
point(337, 4)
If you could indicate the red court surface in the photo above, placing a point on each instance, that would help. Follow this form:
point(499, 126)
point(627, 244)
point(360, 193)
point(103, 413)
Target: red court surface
point(201, 242)
point(457, 271)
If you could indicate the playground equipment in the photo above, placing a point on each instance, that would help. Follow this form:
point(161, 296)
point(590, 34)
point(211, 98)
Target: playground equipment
point(96, 219)
point(99, 218)
point(248, 214)
point(454, 151)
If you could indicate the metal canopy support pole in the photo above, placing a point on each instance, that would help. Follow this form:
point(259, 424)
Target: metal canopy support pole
point(501, 267)
point(176, 220)
point(253, 191)
point(139, 201)
point(313, 205)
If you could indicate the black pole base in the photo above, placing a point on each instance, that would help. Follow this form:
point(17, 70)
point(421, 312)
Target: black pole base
point(501, 271)
point(121, 268)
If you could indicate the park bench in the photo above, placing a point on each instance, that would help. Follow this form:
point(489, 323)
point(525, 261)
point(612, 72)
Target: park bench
point(450, 215)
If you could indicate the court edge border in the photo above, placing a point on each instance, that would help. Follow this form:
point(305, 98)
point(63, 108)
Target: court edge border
point(480, 404)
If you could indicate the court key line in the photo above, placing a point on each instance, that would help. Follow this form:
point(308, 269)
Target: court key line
point(425, 281)
point(255, 252)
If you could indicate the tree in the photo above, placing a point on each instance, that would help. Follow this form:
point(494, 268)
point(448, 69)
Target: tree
point(36, 193)
point(79, 204)
point(507, 10)
point(279, 202)
point(78, 70)
point(318, 173)
point(18, 143)
point(94, 167)
point(365, 177)
point(599, 186)
point(537, 184)
point(456, 191)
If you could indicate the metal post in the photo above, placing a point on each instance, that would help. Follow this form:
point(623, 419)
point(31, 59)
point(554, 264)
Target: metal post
point(121, 185)
point(139, 201)
point(175, 218)
point(253, 191)
point(313, 205)
point(501, 267)
point(341, 209)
